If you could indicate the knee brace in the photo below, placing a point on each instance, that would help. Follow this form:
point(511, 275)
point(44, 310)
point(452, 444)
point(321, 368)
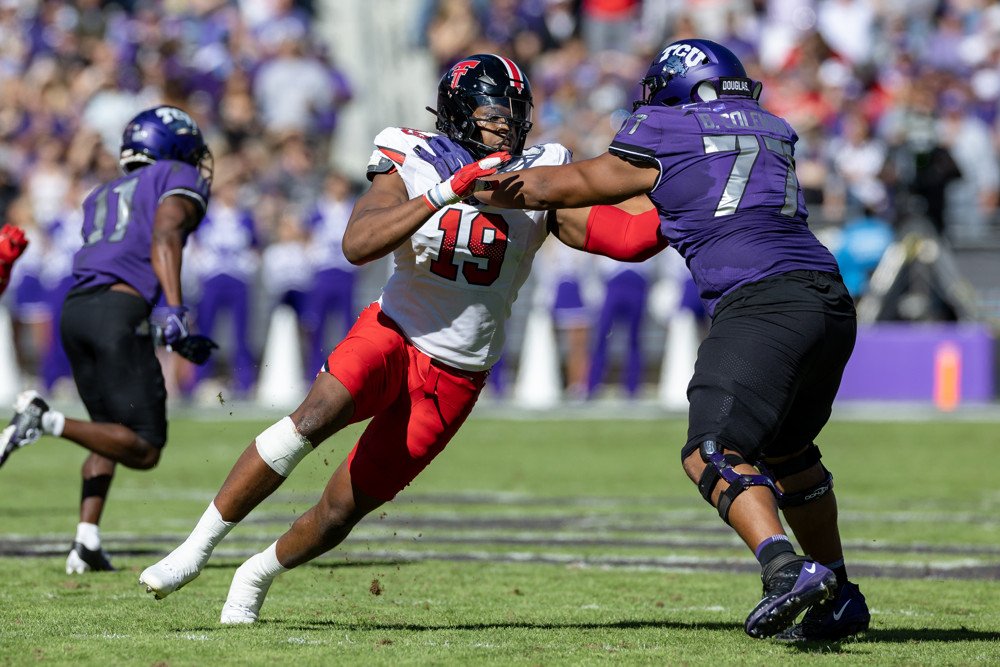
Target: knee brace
point(721, 467)
point(282, 446)
point(809, 457)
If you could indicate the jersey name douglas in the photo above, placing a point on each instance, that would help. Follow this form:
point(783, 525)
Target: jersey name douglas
point(727, 193)
point(455, 280)
point(118, 222)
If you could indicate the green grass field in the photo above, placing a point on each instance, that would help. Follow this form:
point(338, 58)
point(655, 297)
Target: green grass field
point(548, 542)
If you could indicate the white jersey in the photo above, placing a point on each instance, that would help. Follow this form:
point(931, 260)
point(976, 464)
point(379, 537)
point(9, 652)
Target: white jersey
point(454, 282)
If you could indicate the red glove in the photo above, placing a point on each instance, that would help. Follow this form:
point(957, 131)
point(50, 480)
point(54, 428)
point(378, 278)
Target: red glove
point(12, 245)
point(464, 182)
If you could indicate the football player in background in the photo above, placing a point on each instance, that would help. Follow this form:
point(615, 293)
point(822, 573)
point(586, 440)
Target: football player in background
point(416, 360)
point(12, 245)
point(134, 231)
point(720, 171)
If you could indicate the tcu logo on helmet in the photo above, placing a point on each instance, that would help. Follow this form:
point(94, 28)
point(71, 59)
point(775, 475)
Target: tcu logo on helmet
point(677, 58)
point(172, 117)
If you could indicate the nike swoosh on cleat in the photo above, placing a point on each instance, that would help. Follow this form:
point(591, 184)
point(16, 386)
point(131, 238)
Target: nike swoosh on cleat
point(838, 614)
point(811, 568)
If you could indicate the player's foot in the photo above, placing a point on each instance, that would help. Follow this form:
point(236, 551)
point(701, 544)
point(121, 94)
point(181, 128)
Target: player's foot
point(26, 426)
point(81, 559)
point(174, 571)
point(791, 584)
point(246, 595)
point(844, 615)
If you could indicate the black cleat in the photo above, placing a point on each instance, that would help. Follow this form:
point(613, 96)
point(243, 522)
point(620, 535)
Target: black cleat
point(26, 426)
point(81, 559)
point(844, 615)
point(791, 585)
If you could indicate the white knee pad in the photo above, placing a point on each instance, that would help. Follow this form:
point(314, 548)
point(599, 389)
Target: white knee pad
point(282, 446)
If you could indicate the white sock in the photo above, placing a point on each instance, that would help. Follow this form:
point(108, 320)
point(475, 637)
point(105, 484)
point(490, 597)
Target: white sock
point(89, 535)
point(265, 566)
point(53, 423)
point(209, 531)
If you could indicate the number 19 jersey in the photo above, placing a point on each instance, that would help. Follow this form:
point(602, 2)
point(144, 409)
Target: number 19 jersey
point(456, 278)
point(727, 194)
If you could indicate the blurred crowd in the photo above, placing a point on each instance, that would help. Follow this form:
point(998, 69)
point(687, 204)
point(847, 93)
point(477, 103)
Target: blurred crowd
point(895, 103)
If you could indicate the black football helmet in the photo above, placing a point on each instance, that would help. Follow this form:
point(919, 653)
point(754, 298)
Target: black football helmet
point(164, 133)
point(695, 70)
point(484, 80)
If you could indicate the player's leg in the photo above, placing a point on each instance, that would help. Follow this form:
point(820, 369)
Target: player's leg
point(87, 554)
point(260, 470)
point(119, 379)
point(398, 443)
point(808, 500)
point(314, 533)
point(361, 376)
point(810, 508)
point(745, 379)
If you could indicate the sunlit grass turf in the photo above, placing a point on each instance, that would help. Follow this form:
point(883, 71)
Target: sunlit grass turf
point(523, 592)
point(467, 613)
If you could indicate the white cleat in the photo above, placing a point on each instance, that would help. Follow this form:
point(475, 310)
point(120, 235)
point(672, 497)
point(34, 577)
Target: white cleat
point(170, 574)
point(246, 595)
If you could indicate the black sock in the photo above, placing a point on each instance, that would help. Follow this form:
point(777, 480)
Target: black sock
point(840, 570)
point(771, 547)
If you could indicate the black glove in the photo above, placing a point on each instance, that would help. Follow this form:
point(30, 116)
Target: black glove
point(195, 348)
point(444, 155)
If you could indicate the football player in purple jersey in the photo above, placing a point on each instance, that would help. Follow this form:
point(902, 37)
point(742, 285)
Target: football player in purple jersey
point(134, 230)
point(720, 172)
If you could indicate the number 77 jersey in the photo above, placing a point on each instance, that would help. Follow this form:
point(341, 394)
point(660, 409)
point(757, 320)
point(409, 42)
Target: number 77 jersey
point(727, 194)
point(454, 282)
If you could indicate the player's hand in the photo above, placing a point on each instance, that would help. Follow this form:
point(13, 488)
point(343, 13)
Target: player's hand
point(172, 321)
point(465, 181)
point(195, 348)
point(445, 155)
point(12, 243)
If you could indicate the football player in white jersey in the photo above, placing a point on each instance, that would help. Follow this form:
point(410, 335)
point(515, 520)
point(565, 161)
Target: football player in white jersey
point(416, 360)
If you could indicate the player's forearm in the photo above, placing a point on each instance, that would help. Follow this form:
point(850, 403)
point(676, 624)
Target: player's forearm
point(539, 188)
point(166, 253)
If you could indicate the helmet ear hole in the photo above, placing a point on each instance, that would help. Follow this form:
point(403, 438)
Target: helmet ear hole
point(757, 88)
point(705, 92)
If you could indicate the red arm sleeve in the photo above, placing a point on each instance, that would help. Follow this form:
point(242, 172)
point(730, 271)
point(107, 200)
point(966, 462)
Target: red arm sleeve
point(623, 236)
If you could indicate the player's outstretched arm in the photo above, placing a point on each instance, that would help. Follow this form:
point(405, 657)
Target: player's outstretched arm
point(605, 179)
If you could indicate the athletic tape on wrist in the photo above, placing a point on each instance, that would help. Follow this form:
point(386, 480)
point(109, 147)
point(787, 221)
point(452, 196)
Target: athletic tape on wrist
point(441, 195)
point(282, 446)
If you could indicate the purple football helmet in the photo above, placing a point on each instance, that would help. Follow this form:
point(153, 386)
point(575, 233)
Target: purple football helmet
point(164, 133)
point(695, 70)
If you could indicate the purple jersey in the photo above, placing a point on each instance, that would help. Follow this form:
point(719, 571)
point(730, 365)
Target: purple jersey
point(118, 225)
point(727, 194)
